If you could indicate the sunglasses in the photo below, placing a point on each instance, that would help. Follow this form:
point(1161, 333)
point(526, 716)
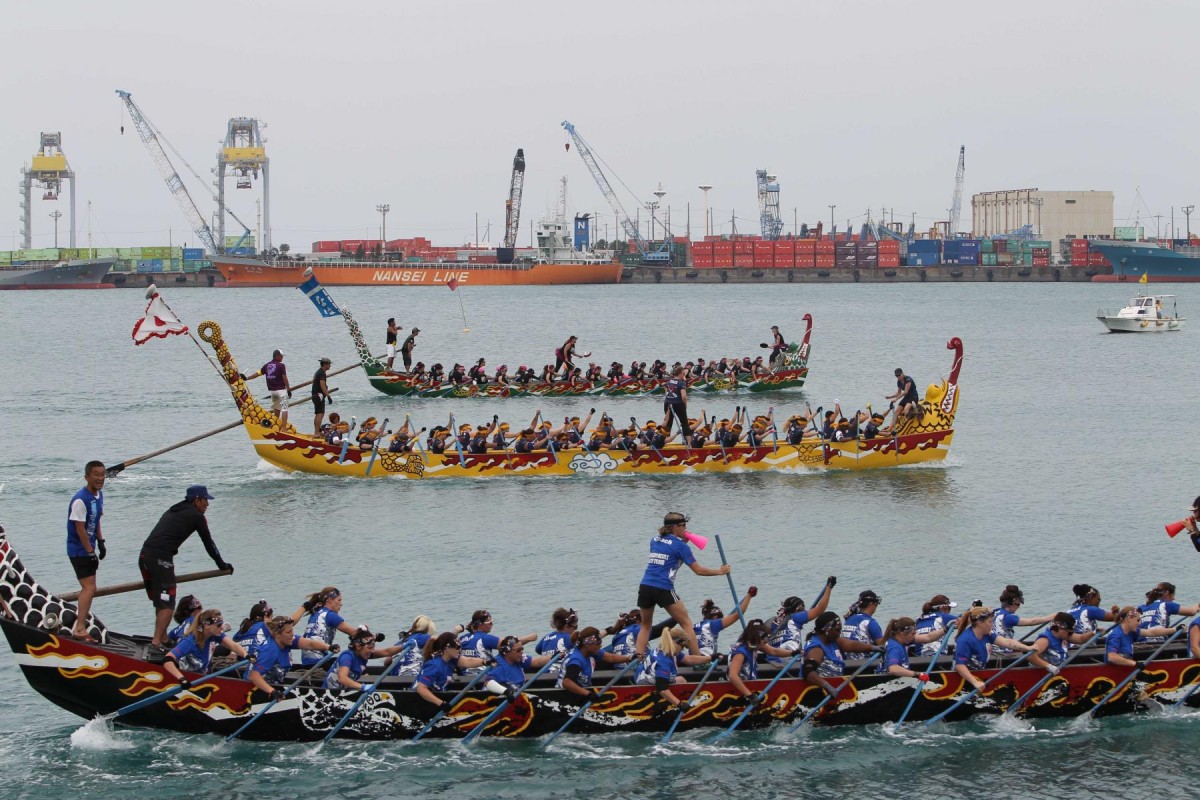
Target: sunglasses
point(213, 621)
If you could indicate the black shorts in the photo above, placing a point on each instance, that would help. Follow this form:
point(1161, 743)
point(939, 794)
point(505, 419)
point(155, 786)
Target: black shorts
point(159, 575)
point(318, 403)
point(85, 566)
point(651, 596)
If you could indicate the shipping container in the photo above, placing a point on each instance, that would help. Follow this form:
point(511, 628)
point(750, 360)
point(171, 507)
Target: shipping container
point(825, 247)
point(889, 260)
point(823, 260)
point(193, 253)
point(806, 260)
point(889, 246)
point(149, 265)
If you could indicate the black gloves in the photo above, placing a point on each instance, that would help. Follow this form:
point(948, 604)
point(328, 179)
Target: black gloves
point(226, 566)
point(758, 698)
point(103, 549)
point(276, 695)
point(510, 692)
point(335, 648)
point(379, 637)
point(831, 581)
point(185, 683)
point(752, 591)
point(683, 707)
point(242, 375)
point(289, 394)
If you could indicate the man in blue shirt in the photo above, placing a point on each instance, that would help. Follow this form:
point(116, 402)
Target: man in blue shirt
point(85, 542)
point(668, 550)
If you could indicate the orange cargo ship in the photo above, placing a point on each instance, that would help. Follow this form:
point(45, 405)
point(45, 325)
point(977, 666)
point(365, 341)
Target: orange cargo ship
point(255, 272)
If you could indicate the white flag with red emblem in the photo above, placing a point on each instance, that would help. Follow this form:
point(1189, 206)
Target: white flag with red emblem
point(159, 322)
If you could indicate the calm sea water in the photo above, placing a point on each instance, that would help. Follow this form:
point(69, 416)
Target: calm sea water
point(1073, 448)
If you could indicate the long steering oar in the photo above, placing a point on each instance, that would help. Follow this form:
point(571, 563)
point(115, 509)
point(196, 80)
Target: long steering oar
point(364, 696)
point(733, 726)
point(588, 704)
point(478, 729)
point(1136, 671)
point(167, 694)
point(920, 685)
point(974, 692)
point(117, 469)
point(861, 669)
point(137, 586)
point(287, 690)
point(695, 693)
point(1011, 710)
point(449, 704)
point(736, 603)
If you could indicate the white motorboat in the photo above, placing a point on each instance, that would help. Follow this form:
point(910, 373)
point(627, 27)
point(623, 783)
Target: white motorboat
point(1146, 313)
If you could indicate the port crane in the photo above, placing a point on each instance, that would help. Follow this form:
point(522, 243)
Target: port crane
point(660, 256)
point(956, 203)
point(150, 136)
point(512, 208)
point(768, 205)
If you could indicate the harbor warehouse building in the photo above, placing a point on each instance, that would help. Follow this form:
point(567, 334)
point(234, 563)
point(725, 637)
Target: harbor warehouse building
point(1053, 215)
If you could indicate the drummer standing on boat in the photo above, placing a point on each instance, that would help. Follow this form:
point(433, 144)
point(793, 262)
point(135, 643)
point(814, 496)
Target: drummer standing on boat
point(85, 542)
point(906, 398)
point(407, 348)
point(778, 346)
point(320, 394)
point(675, 402)
point(157, 559)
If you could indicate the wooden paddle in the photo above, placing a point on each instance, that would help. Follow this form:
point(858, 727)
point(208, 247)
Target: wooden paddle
point(116, 469)
point(121, 588)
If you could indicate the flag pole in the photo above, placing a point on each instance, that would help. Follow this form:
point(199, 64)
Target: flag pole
point(452, 282)
point(151, 293)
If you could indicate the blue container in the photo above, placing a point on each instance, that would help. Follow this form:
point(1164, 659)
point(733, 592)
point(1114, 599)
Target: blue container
point(193, 254)
point(149, 265)
point(241, 251)
point(924, 246)
point(951, 249)
point(921, 259)
point(969, 261)
point(969, 246)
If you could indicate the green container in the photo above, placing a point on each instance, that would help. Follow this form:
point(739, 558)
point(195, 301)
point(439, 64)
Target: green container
point(986, 246)
point(989, 259)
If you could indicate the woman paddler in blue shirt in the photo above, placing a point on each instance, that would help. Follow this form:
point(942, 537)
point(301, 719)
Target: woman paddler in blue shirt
point(324, 620)
point(823, 652)
point(576, 674)
point(1051, 645)
point(194, 651)
point(787, 627)
point(743, 658)
point(713, 622)
point(1118, 646)
point(352, 664)
point(477, 639)
point(508, 673)
point(1007, 618)
point(1160, 605)
point(442, 660)
point(565, 622)
point(899, 635)
point(1086, 609)
point(273, 656)
point(668, 550)
point(412, 643)
point(663, 669)
point(186, 610)
point(860, 623)
point(975, 634)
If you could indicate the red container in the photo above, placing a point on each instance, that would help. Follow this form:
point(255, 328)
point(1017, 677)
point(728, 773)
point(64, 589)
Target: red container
point(806, 245)
point(1041, 262)
point(889, 259)
point(703, 261)
point(889, 246)
point(327, 247)
point(764, 260)
point(741, 247)
point(823, 261)
point(764, 247)
point(1097, 260)
point(806, 260)
point(825, 247)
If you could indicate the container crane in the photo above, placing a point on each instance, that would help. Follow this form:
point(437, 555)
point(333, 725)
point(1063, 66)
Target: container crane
point(768, 205)
point(956, 203)
point(512, 210)
point(150, 137)
point(660, 256)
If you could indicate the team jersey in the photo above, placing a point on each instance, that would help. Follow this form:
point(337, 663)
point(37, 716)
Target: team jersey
point(933, 622)
point(578, 667)
point(435, 674)
point(1086, 617)
point(789, 635)
point(707, 631)
point(1056, 649)
point(1120, 643)
point(1157, 615)
point(624, 641)
point(88, 511)
point(192, 656)
point(553, 642)
point(862, 628)
point(667, 553)
point(1005, 622)
point(477, 644)
point(972, 651)
point(254, 637)
point(412, 658)
point(322, 625)
point(749, 670)
point(894, 655)
point(834, 664)
point(510, 674)
point(177, 633)
point(351, 660)
point(273, 661)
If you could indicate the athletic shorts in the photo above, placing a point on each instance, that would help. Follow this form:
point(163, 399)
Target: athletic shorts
point(85, 566)
point(318, 403)
point(651, 596)
point(159, 575)
point(391, 351)
point(279, 400)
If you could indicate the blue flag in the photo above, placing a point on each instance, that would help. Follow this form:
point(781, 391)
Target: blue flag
point(321, 299)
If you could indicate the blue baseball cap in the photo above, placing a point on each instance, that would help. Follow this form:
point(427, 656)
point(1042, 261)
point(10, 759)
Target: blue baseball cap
point(197, 491)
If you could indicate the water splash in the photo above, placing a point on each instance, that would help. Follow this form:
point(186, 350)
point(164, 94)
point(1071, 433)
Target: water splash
point(98, 735)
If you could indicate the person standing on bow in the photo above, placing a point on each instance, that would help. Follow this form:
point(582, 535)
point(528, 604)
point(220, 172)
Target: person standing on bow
point(778, 346)
point(906, 398)
point(564, 356)
point(85, 542)
point(668, 550)
point(277, 384)
point(393, 330)
point(320, 393)
point(157, 559)
point(675, 402)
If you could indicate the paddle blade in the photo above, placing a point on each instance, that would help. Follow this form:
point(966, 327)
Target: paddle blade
point(696, 539)
point(1174, 528)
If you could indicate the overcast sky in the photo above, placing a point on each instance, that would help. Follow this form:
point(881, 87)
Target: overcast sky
point(422, 106)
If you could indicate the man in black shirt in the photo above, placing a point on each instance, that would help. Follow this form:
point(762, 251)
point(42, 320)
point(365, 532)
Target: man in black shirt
point(407, 348)
point(392, 330)
point(675, 403)
point(320, 394)
point(157, 559)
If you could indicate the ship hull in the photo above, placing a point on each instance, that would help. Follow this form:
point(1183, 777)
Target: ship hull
point(81, 274)
point(253, 272)
point(1132, 260)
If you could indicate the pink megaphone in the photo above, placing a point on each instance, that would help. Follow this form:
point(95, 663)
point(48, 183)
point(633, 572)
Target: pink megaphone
point(1174, 528)
point(702, 541)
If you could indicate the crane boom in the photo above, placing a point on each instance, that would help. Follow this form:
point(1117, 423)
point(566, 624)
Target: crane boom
point(631, 231)
point(768, 205)
point(174, 182)
point(956, 203)
point(512, 209)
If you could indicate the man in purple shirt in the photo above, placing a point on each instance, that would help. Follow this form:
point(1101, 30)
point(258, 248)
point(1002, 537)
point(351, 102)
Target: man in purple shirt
point(277, 384)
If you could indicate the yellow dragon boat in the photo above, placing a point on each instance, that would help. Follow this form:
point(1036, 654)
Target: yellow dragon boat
point(923, 438)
